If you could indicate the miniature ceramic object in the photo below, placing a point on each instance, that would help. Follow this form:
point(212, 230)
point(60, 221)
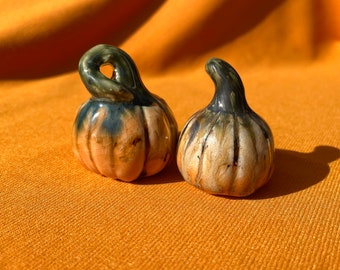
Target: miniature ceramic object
point(226, 148)
point(123, 131)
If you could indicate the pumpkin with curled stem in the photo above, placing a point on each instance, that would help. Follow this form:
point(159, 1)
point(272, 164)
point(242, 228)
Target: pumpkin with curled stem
point(226, 148)
point(123, 131)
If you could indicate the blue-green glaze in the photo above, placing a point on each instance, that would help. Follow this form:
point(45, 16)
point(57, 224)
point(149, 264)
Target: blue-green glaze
point(226, 148)
point(123, 131)
point(229, 91)
point(112, 123)
point(125, 84)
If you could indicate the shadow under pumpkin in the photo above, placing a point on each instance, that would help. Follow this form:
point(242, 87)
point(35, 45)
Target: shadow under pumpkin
point(296, 171)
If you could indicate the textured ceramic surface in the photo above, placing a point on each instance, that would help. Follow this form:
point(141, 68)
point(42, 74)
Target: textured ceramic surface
point(226, 148)
point(123, 131)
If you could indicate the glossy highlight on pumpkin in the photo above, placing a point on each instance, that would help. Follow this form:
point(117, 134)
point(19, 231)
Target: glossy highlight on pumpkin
point(123, 131)
point(226, 148)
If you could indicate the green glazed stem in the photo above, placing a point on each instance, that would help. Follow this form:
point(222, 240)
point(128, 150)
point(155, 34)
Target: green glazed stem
point(229, 91)
point(125, 84)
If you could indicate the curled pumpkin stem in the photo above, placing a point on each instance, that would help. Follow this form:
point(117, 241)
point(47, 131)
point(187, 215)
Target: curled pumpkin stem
point(125, 82)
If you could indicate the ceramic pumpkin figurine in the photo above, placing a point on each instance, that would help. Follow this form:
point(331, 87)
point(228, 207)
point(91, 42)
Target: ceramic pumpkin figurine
point(226, 148)
point(123, 131)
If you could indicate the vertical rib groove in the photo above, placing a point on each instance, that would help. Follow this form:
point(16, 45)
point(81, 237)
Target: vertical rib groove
point(200, 162)
point(236, 142)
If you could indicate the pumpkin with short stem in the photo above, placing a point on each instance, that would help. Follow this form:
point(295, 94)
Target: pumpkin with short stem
point(226, 148)
point(123, 131)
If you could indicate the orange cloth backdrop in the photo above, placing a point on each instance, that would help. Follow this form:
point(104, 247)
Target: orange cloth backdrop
point(57, 215)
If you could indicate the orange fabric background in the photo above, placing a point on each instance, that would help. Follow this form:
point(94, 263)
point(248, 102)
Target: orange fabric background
point(56, 215)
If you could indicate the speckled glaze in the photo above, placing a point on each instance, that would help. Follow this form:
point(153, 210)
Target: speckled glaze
point(226, 148)
point(123, 131)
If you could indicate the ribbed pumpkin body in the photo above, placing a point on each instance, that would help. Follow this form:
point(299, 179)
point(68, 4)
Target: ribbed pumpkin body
point(122, 135)
point(122, 141)
point(226, 148)
point(225, 154)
